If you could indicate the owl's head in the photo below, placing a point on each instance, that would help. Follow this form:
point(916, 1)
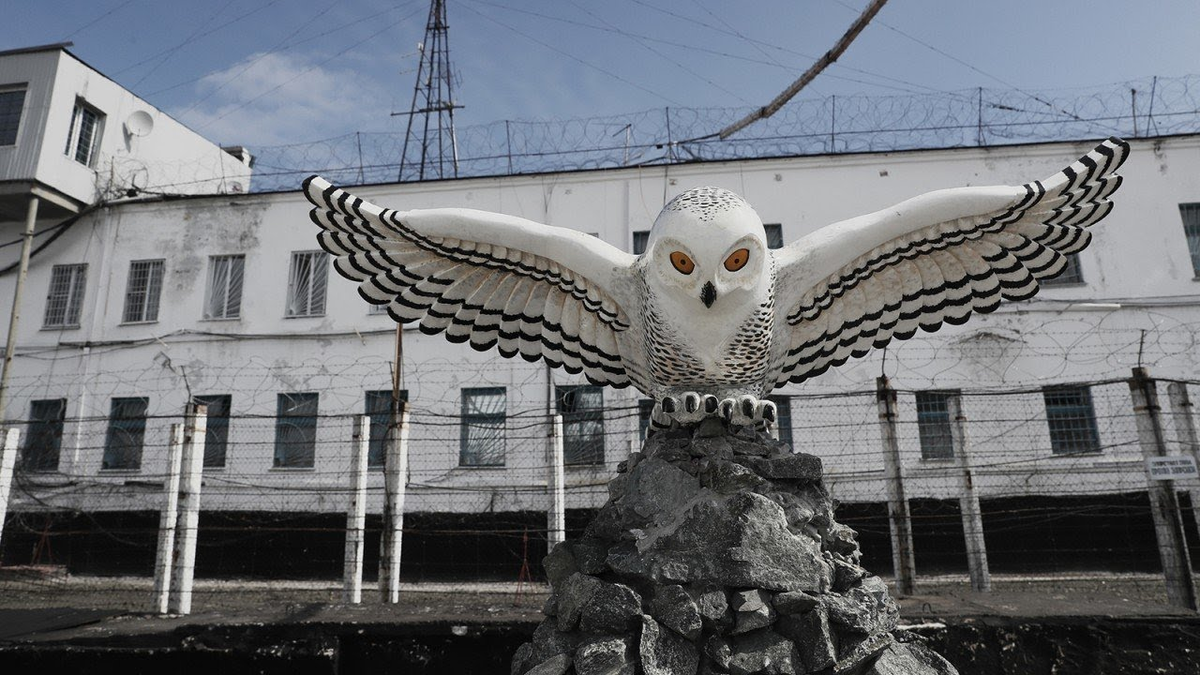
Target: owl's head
point(708, 246)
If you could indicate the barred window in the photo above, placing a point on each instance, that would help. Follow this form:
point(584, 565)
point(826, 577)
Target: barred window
point(11, 103)
point(306, 283)
point(143, 291)
point(126, 432)
point(482, 441)
point(216, 435)
point(87, 125)
point(379, 412)
point(582, 410)
point(774, 235)
point(934, 424)
point(1072, 420)
point(640, 239)
point(224, 296)
point(1071, 274)
point(64, 303)
point(1191, 229)
point(296, 431)
point(43, 437)
point(784, 406)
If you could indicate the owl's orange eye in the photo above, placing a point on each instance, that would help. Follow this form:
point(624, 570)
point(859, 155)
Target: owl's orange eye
point(682, 263)
point(737, 260)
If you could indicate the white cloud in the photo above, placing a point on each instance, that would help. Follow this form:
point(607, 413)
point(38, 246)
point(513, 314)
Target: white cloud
point(279, 98)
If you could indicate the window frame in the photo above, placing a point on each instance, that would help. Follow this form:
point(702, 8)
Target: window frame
point(1072, 275)
point(641, 239)
point(231, 310)
point(935, 428)
point(578, 449)
point(777, 228)
point(1060, 421)
point(23, 90)
point(645, 408)
point(75, 138)
point(301, 453)
point(1189, 213)
point(317, 282)
point(783, 422)
point(150, 295)
point(379, 418)
point(125, 456)
point(216, 432)
point(471, 418)
point(72, 299)
point(47, 428)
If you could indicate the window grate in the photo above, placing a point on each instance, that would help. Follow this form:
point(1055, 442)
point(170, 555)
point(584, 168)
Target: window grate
point(934, 424)
point(1072, 420)
point(216, 434)
point(224, 299)
point(379, 412)
point(1191, 229)
point(296, 431)
point(306, 283)
point(43, 440)
point(64, 303)
point(126, 433)
point(143, 291)
point(582, 410)
point(482, 440)
point(87, 125)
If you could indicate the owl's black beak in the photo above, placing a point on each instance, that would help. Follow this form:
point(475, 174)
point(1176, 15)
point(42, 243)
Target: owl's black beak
point(708, 294)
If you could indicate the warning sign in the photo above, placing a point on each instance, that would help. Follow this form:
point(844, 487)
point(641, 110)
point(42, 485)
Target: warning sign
point(1171, 468)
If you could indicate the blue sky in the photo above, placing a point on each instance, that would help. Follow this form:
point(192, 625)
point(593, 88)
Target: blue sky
point(269, 72)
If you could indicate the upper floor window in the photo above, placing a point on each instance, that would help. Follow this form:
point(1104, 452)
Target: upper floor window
point(87, 124)
point(582, 409)
point(306, 283)
point(1191, 229)
point(143, 291)
point(12, 100)
point(1071, 274)
point(224, 295)
point(216, 432)
point(1072, 420)
point(43, 439)
point(484, 413)
point(934, 424)
point(64, 302)
point(126, 432)
point(640, 239)
point(774, 235)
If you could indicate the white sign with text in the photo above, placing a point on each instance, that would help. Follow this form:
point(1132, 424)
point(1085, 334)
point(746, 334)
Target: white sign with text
point(1171, 468)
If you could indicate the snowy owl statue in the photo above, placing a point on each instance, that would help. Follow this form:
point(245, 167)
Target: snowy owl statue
point(709, 320)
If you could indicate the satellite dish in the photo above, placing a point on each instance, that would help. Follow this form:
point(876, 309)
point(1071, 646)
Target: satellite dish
point(139, 124)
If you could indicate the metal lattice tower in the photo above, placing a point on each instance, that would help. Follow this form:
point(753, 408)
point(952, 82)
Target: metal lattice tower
point(430, 147)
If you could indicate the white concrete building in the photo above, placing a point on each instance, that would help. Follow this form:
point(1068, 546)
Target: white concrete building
point(242, 311)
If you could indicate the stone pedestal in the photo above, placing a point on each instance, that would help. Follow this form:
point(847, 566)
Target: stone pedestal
point(717, 552)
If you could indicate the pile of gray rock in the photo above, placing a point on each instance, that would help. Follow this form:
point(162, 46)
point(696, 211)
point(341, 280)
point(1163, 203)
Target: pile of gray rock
point(717, 552)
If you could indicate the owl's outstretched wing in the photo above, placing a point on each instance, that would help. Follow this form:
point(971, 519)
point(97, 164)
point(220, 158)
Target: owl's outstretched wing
point(484, 278)
point(855, 285)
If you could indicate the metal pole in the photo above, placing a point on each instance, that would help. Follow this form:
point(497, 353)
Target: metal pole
point(8, 460)
point(356, 515)
point(968, 501)
point(899, 520)
point(195, 426)
point(556, 521)
point(1185, 435)
point(1164, 504)
point(395, 479)
point(14, 315)
point(166, 522)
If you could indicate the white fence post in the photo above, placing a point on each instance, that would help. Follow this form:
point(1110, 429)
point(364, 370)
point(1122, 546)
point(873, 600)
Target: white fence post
point(968, 501)
point(1185, 435)
point(194, 428)
point(1164, 503)
point(899, 520)
point(395, 480)
point(166, 522)
point(8, 461)
point(556, 517)
point(356, 516)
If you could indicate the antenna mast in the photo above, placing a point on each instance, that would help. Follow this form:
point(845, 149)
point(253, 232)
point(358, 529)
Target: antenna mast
point(431, 151)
